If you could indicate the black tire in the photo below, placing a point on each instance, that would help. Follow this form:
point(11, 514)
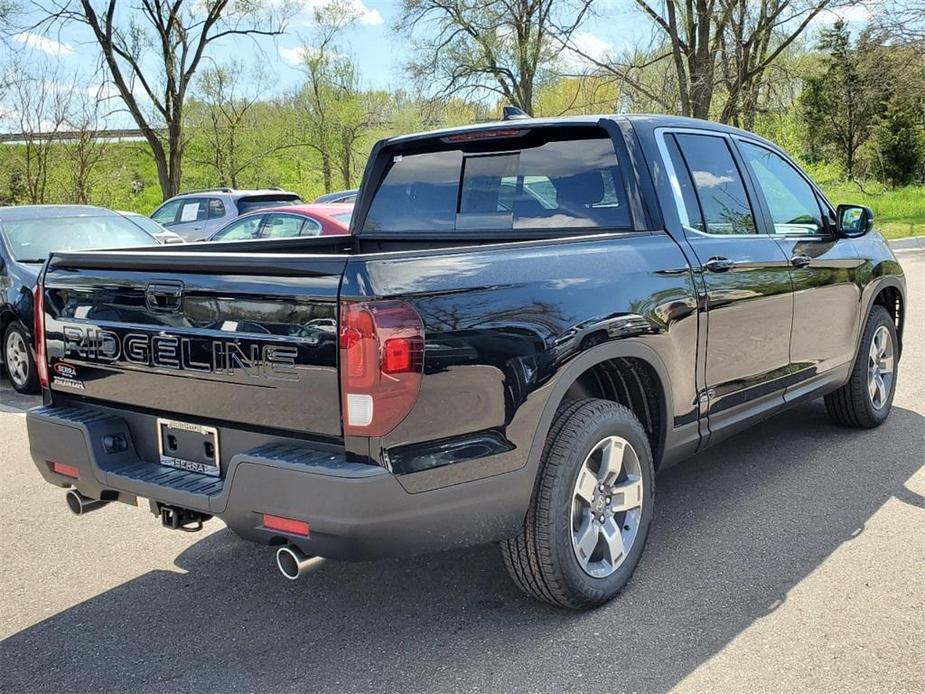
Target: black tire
point(30, 382)
point(541, 559)
point(851, 405)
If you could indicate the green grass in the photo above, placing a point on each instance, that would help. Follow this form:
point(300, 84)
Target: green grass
point(898, 212)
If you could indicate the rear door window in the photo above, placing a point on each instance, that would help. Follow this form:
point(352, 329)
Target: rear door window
point(534, 182)
point(311, 227)
point(192, 210)
point(720, 190)
point(686, 185)
point(281, 226)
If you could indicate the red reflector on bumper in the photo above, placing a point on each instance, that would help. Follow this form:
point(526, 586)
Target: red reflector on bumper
point(285, 525)
point(62, 469)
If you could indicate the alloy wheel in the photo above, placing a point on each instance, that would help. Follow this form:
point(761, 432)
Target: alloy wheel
point(606, 506)
point(880, 367)
point(17, 358)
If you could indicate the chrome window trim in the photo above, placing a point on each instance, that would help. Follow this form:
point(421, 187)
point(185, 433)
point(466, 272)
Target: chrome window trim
point(672, 177)
point(676, 184)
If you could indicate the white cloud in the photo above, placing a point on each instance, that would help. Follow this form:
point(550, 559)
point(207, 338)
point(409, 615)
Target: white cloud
point(852, 14)
point(586, 48)
point(708, 179)
point(42, 43)
point(293, 56)
point(592, 45)
point(372, 17)
point(362, 13)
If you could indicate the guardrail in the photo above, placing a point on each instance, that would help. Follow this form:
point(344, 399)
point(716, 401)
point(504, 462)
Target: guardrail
point(70, 135)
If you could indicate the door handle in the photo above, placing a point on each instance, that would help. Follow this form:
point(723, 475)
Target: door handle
point(718, 264)
point(800, 260)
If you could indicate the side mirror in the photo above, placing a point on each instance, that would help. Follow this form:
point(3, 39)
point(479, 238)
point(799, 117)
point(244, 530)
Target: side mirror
point(854, 220)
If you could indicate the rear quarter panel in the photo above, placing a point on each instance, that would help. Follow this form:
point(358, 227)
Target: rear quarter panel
point(503, 322)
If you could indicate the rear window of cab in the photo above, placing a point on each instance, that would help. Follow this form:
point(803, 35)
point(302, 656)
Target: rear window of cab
point(539, 180)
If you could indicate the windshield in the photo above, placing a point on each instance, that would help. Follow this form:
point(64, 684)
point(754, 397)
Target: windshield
point(146, 223)
point(32, 240)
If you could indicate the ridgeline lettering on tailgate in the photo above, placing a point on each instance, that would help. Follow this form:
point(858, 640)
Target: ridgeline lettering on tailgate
point(273, 362)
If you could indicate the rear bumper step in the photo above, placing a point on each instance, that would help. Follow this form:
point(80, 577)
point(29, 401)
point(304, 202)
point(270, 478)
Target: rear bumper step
point(354, 511)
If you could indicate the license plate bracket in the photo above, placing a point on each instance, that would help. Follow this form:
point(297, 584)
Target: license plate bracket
point(186, 446)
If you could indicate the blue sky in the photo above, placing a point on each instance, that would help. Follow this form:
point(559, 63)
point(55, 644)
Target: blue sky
point(379, 53)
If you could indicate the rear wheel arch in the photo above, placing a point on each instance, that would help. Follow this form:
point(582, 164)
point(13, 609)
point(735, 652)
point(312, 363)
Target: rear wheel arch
point(629, 373)
point(890, 296)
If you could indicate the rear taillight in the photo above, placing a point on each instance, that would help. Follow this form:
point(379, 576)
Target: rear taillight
point(381, 361)
point(41, 363)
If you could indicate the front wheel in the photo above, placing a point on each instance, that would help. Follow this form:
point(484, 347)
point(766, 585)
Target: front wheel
point(589, 518)
point(866, 399)
point(17, 356)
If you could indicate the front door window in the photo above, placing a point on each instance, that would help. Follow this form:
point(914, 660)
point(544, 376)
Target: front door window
point(791, 200)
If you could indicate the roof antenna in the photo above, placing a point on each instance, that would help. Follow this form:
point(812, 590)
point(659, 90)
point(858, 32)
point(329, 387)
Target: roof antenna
point(514, 113)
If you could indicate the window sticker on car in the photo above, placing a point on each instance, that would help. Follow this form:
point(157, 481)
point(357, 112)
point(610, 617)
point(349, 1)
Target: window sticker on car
point(190, 212)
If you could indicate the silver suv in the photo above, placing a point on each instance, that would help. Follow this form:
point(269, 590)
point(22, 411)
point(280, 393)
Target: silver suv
point(197, 214)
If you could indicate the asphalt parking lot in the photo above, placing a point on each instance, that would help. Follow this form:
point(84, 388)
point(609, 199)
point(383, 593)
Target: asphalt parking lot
point(790, 558)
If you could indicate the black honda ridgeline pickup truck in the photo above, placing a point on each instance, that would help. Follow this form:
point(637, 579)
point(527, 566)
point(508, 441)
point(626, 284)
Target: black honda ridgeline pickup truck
point(530, 319)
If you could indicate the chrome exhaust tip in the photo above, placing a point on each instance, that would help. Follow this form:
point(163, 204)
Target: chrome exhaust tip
point(293, 562)
point(80, 504)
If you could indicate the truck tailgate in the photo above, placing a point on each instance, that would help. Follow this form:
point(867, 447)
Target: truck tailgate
point(213, 336)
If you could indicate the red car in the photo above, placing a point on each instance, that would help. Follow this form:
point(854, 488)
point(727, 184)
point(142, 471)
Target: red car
point(288, 222)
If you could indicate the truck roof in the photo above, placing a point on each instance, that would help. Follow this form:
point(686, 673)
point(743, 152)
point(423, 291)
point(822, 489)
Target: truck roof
point(640, 120)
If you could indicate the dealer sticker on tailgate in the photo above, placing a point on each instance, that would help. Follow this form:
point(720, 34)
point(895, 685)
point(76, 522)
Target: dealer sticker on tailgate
point(186, 446)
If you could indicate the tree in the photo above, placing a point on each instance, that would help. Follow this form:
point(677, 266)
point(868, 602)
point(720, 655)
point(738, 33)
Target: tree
point(153, 54)
point(902, 19)
point(504, 47)
point(576, 95)
point(756, 36)
point(900, 140)
point(83, 150)
point(226, 113)
point(42, 107)
point(331, 110)
point(838, 104)
point(7, 10)
point(717, 47)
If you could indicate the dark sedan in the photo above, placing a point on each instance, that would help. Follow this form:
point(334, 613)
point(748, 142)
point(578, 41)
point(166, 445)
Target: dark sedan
point(27, 235)
point(347, 197)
